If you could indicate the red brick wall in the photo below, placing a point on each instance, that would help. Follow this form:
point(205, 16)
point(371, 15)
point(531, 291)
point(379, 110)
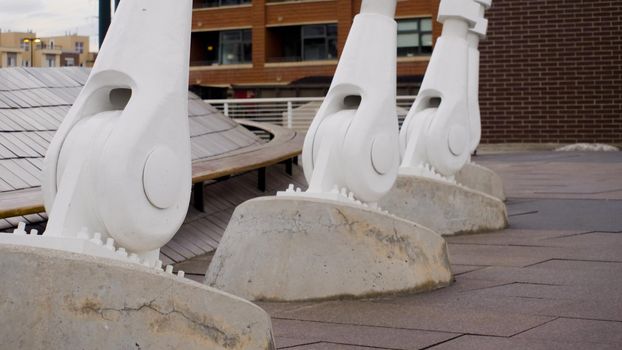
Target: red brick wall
point(552, 72)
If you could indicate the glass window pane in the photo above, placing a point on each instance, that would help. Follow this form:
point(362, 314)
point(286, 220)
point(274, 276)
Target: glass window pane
point(230, 53)
point(406, 25)
point(426, 40)
point(331, 30)
point(426, 25)
point(247, 35)
point(313, 31)
point(414, 36)
point(332, 49)
point(314, 49)
point(407, 40)
point(248, 53)
point(234, 35)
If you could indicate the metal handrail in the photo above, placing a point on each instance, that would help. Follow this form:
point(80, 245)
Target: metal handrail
point(291, 112)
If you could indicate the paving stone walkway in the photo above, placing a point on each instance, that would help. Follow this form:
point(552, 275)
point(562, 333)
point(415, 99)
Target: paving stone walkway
point(552, 280)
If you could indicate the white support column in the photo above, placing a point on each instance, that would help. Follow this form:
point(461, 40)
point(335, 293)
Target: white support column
point(290, 114)
point(442, 127)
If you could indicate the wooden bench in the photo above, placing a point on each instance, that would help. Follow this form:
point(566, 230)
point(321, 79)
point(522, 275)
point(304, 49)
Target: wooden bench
point(284, 147)
point(21, 202)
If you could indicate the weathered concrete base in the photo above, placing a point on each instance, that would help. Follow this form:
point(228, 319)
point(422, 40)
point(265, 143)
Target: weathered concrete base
point(482, 179)
point(444, 207)
point(57, 300)
point(286, 249)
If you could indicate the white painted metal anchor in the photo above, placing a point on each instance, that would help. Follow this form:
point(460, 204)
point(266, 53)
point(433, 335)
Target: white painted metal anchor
point(351, 149)
point(120, 162)
point(443, 125)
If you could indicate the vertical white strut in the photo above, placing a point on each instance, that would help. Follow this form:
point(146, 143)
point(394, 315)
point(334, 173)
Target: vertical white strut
point(119, 164)
point(351, 149)
point(443, 126)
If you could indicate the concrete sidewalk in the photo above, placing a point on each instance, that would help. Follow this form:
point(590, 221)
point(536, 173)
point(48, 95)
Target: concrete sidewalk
point(553, 280)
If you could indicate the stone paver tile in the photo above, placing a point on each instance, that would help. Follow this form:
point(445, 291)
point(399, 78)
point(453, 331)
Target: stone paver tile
point(287, 342)
point(358, 335)
point(473, 301)
point(605, 254)
point(597, 246)
point(577, 330)
point(495, 255)
point(595, 279)
point(421, 317)
point(458, 269)
point(469, 342)
point(332, 346)
point(439, 296)
point(555, 175)
point(479, 300)
point(511, 237)
point(587, 309)
point(587, 240)
point(608, 268)
point(568, 214)
point(563, 293)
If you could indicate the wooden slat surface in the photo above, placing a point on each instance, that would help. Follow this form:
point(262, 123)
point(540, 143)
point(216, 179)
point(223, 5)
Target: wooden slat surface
point(284, 145)
point(22, 202)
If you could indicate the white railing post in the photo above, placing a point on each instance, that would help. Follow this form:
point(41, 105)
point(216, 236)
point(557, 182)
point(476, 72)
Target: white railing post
point(290, 113)
point(226, 111)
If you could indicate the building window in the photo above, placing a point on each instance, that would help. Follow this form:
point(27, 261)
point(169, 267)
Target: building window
point(50, 60)
point(25, 46)
point(11, 59)
point(70, 62)
point(79, 47)
point(302, 43)
point(219, 3)
point(414, 37)
point(224, 47)
point(236, 47)
point(319, 42)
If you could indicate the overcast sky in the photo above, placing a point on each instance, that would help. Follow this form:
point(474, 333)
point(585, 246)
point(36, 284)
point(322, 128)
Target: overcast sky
point(51, 17)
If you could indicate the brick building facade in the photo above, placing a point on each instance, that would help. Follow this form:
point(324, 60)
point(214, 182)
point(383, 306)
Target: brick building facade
point(267, 69)
point(550, 71)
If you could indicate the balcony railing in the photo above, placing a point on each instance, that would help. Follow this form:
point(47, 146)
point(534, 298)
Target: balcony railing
point(294, 113)
point(199, 4)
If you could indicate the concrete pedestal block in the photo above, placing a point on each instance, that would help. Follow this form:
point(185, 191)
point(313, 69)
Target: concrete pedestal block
point(482, 179)
point(444, 207)
point(57, 300)
point(286, 249)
